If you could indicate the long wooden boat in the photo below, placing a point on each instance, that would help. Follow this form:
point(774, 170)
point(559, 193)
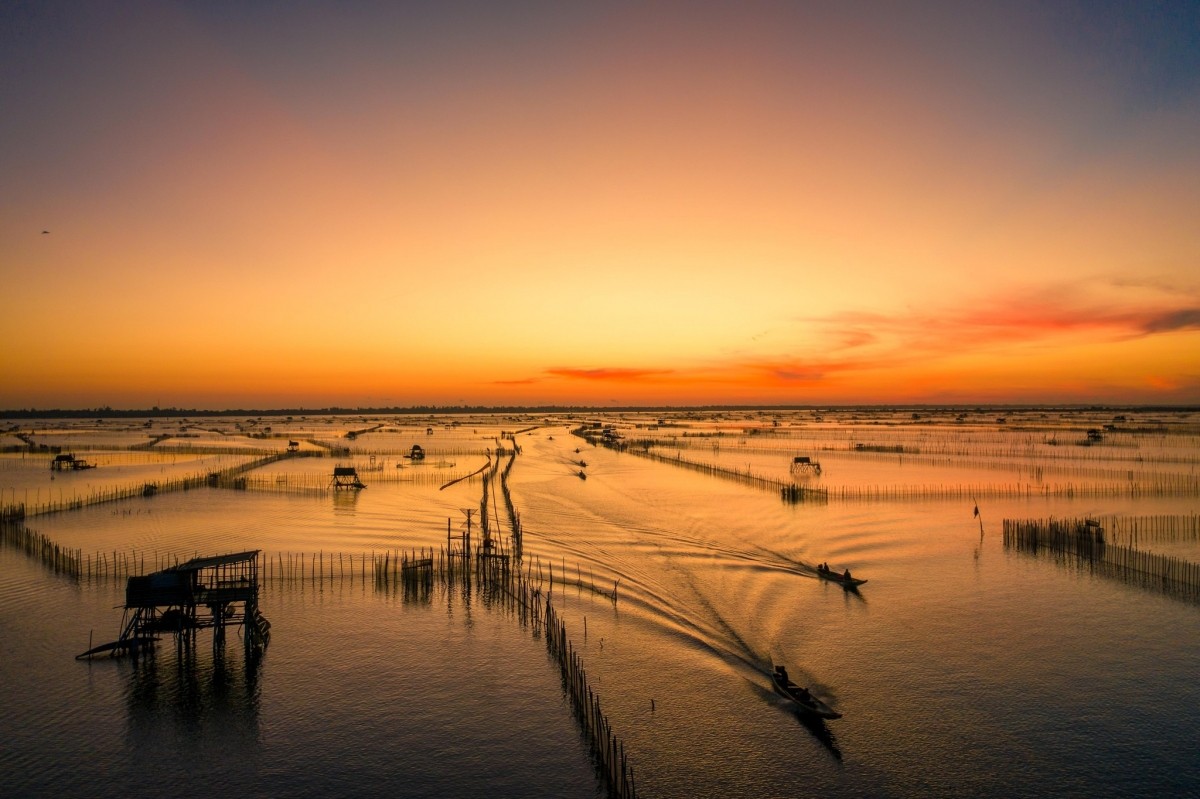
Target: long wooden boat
point(837, 577)
point(801, 696)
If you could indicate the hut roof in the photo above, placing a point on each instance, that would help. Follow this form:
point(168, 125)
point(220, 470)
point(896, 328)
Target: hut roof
point(196, 564)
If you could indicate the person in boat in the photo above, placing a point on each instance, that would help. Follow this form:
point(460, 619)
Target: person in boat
point(781, 673)
point(846, 575)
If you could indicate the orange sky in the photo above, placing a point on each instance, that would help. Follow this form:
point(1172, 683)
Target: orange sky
point(365, 205)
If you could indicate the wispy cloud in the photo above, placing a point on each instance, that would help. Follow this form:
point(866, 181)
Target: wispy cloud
point(1184, 319)
point(614, 374)
point(858, 342)
point(1015, 317)
point(858, 345)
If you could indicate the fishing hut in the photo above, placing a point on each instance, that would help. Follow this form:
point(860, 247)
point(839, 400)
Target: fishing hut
point(68, 462)
point(346, 477)
point(804, 466)
point(293, 446)
point(416, 453)
point(203, 593)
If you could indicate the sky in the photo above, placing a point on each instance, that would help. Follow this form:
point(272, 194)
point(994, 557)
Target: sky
point(299, 204)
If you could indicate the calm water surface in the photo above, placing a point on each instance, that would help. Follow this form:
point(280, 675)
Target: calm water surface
point(962, 668)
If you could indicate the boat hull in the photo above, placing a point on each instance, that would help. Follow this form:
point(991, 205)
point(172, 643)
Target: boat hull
point(834, 577)
point(809, 704)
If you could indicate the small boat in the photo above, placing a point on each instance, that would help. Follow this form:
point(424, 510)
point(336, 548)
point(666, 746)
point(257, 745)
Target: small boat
point(801, 696)
point(839, 578)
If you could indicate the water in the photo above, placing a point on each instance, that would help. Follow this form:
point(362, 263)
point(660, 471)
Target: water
point(373, 697)
point(961, 668)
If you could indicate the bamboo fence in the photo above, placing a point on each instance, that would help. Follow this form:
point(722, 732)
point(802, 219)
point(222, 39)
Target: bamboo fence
point(1162, 485)
point(1087, 541)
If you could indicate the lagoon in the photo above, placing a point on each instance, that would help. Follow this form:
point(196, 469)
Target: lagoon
point(962, 668)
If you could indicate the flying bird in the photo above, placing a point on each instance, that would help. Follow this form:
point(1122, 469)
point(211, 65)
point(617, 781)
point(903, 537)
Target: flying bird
point(44, 232)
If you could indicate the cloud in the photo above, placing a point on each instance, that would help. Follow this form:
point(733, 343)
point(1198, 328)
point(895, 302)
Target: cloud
point(1184, 319)
point(620, 375)
point(792, 374)
point(1019, 316)
point(808, 371)
point(849, 347)
point(855, 337)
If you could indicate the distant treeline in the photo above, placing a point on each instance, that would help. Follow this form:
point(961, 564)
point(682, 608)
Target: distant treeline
point(440, 410)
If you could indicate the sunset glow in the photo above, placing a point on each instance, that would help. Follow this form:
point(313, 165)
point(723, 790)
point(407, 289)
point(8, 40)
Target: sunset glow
point(376, 205)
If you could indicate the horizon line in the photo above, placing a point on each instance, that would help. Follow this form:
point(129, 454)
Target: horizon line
point(109, 412)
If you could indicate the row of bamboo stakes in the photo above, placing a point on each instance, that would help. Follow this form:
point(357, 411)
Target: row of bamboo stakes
point(1039, 468)
point(1158, 527)
point(231, 477)
point(607, 748)
point(1166, 488)
point(414, 571)
point(532, 596)
point(1055, 458)
point(319, 484)
point(1158, 486)
point(1088, 542)
point(11, 511)
point(381, 569)
point(493, 570)
point(1177, 449)
point(747, 477)
point(524, 591)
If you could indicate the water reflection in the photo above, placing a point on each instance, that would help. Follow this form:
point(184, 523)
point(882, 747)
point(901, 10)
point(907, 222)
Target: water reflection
point(345, 502)
point(1028, 692)
point(852, 596)
point(418, 592)
point(193, 698)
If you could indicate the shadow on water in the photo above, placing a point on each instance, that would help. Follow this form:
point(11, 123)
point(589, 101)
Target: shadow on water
point(345, 502)
point(852, 594)
point(815, 725)
point(205, 699)
point(820, 730)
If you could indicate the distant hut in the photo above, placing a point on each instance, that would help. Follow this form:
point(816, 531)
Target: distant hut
point(65, 461)
point(293, 446)
point(416, 453)
point(805, 466)
point(346, 477)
